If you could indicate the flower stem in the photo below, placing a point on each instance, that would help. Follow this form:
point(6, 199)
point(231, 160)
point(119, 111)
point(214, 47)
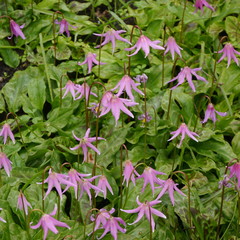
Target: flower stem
point(163, 60)
point(182, 22)
point(150, 223)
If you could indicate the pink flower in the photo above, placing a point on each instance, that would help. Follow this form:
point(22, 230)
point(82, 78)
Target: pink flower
point(116, 104)
point(86, 142)
point(6, 132)
point(235, 171)
point(211, 113)
point(147, 210)
point(1, 219)
point(103, 185)
point(187, 73)
point(149, 176)
point(64, 25)
point(199, 4)
point(5, 163)
point(111, 36)
point(22, 203)
point(16, 30)
point(127, 84)
point(70, 87)
point(170, 186)
point(183, 129)
point(47, 222)
point(229, 52)
point(129, 172)
point(141, 78)
point(172, 47)
point(145, 43)
point(90, 59)
point(55, 180)
point(84, 91)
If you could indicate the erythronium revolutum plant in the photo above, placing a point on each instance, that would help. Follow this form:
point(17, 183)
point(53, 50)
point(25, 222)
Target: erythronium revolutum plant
point(119, 68)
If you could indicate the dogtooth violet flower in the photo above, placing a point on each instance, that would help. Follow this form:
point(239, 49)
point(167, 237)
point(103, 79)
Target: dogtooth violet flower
point(235, 171)
point(127, 84)
point(90, 59)
point(149, 176)
point(83, 90)
point(116, 104)
point(5, 163)
point(183, 130)
point(64, 26)
point(70, 87)
point(55, 180)
point(147, 210)
point(141, 78)
point(172, 47)
point(111, 36)
point(86, 142)
point(22, 203)
point(1, 219)
point(145, 117)
point(199, 4)
point(145, 43)
point(187, 73)
point(103, 185)
point(47, 222)
point(211, 113)
point(6, 132)
point(129, 172)
point(169, 185)
point(229, 52)
point(16, 30)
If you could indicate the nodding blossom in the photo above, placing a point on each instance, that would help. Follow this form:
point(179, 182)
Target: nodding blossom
point(229, 52)
point(64, 26)
point(144, 43)
point(211, 114)
point(70, 87)
point(199, 4)
point(22, 203)
point(141, 78)
point(129, 172)
point(172, 47)
point(47, 222)
point(6, 132)
point(146, 209)
point(111, 36)
point(235, 171)
point(187, 73)
point(16, 30)
point(83, 90)
point(103, 185)
point(90, 59)
point(183, 130)
point(86, 142)
point(5, 163)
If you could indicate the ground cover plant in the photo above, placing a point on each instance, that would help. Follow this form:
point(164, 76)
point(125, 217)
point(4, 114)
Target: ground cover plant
point(119, 119)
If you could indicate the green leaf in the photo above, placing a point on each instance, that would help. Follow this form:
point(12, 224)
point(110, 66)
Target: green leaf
point(232, 28)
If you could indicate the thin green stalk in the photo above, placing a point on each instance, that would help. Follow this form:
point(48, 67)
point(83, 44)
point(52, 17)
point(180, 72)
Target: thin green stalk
point(46, 67)
point(238, 220)
point(163, 60)
point(227, 101)
point(169, 104)
point(182, 22)
point(150, 222)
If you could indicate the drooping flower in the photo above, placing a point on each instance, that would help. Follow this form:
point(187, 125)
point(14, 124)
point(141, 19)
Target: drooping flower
point(141, 78)
point(172, 47)
point(129, 172)
point(149, 176)
point(145, 117)
point(183, 130)
point(5, 163)
point(169, 185)
point(83, 90)
point(47, 222)
point(127, 84)
point(211, 113)
point(16, 30)
point(112, 226)
point(103, 185)
point(22, 203)
point(6, 132)
point(145, 43)
point(187, 73)
point(111, 36)
point(64, 26)
point(229, 52)
point(199, 4)
point(225, 182)
point(116, 104)
point(90, 59)
point(235, 171)
point(70, 87)
point(55, 180)
point(147, 210)
point(1, 219)
point(86, 142)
